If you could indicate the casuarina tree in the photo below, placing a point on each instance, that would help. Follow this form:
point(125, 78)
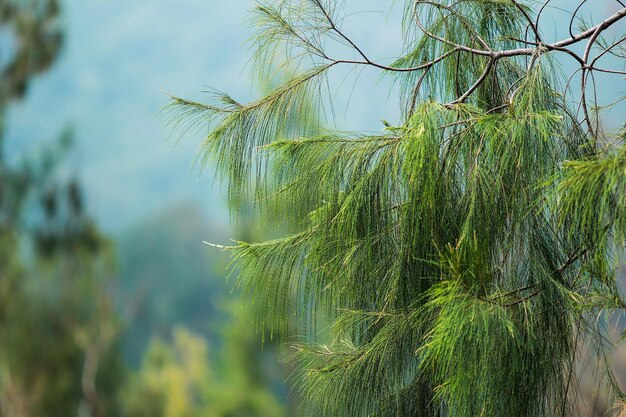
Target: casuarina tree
point(454, 264)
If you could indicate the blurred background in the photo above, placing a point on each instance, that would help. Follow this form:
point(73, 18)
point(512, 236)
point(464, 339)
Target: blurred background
point(110, 305)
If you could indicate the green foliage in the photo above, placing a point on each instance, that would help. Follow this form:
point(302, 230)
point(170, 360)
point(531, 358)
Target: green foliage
point(460, 257)
point(171, 379)
point(590, 194)
point(177, 379)
point(58, 322)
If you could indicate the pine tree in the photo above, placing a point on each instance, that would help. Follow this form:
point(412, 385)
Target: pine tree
point(459, 259)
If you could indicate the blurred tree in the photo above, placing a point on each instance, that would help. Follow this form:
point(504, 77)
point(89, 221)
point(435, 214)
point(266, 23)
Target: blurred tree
point(59, 352)
point(178, 290)
point(33, 37)
point(173, 379)
point(177, 380)
point(58, 330)
point(460, 256)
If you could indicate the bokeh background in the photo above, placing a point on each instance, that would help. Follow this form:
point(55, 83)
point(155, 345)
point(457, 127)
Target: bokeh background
point(110, 304)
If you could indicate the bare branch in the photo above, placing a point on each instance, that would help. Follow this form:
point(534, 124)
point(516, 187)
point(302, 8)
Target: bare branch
point(532, 24)
point(447, 41)
point(477, 84)
point(423, 66)
point(583, 102)
point(543, 7)
point(608, 71)
point(416, 90)
point(573, 17)
point(607, 50)
point(609, 21)
point(334, 27)
point(533, 49)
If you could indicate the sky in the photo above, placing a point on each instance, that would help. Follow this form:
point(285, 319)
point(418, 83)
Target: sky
point(109, 85)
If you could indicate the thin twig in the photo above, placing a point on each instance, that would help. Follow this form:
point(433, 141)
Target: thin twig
point(477, 84)
point(532, 24)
